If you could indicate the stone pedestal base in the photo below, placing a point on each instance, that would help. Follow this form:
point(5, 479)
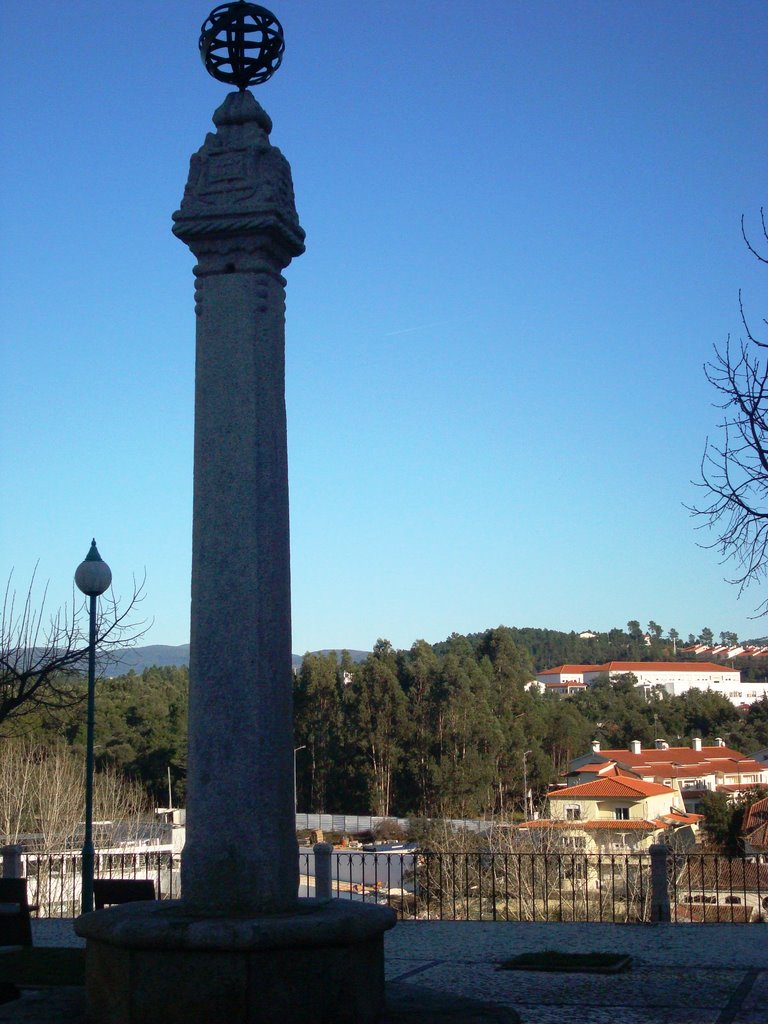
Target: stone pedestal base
point(156, 963)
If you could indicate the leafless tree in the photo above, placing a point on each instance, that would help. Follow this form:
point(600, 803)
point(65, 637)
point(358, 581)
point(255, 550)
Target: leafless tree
point(734, 469)
point(42, 659)
point(42, 797)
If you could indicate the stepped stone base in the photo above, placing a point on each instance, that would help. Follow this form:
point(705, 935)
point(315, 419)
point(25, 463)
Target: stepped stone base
point(157, 963)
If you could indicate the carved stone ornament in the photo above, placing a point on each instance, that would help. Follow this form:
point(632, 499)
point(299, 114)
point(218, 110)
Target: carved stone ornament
point(240, 191)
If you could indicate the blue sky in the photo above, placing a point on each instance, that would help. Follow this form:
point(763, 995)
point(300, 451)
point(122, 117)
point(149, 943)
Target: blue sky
point(522, 243)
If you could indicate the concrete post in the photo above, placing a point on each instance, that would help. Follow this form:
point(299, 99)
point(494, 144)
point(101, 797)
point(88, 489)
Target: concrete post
point(323, 871)
point(12, 861)
point(238, 218)
point(660, 908)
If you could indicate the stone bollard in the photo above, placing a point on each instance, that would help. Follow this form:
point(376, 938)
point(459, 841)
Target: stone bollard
point(323, 875)
point(12, 861)
point(660, 909)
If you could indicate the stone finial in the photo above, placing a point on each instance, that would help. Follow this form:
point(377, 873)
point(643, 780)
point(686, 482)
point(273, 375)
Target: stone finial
point(239, 190)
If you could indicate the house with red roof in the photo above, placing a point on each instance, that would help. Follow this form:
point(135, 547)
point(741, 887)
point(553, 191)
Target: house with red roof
point(616, 812)
point(692, 771)
point(754, 832)
point(674, 677)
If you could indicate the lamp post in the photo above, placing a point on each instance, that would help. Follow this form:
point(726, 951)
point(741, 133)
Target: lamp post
point(525, 784)
point(93, 576)
point(295, 787)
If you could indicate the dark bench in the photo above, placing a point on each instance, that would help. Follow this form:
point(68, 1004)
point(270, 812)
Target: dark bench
point(15, 926)
point(108, 891)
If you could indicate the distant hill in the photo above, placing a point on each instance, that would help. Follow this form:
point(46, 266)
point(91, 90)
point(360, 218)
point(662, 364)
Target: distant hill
point(354, 655)
point(159, 655)
point(139, 658)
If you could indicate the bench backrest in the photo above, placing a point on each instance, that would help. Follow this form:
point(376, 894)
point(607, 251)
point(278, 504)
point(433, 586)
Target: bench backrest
point(15, 926)
point(108, 891)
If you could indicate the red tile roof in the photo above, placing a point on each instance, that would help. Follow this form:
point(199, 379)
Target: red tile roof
point(710, 759)
point(680, 818)
point(623, 787)
point(756, 815)
point(596, 824)
point(641, 666)
point(758, 837)
point(566, 669)
point(609, 768)
point(723, 875)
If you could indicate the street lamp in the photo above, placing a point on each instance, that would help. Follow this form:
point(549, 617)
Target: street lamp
point(295, 789)
point(92, 577)
point(525, 785)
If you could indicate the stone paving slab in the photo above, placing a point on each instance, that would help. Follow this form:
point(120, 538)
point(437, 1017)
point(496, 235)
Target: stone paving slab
point(445, 973)
point(754, 1008)
point(715, 946)
point(619, 1015)
point(61, 1005)
point(672, 988)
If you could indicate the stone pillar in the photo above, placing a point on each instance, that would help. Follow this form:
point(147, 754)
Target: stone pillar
point(238, 218)
point(240, 947)
point(323, 871)
point(660, 908)
point(12, 867)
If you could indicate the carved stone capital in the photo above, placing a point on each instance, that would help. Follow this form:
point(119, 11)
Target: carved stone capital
point(239, 191)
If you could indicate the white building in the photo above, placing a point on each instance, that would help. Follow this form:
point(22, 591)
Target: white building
point(675, 677)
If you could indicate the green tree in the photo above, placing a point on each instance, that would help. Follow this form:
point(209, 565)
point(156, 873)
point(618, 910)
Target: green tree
point(723, 819)
point(421, 675)
point(317, 716)
point(379, 708)
point(470, 737)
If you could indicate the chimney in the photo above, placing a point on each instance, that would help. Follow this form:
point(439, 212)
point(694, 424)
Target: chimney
point(595, 746)
point(660, 744)
point(719, 742)
point(635, 747)
point(696, 743)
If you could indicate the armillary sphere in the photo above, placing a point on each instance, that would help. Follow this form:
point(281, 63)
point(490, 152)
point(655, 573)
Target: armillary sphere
point(241, 44)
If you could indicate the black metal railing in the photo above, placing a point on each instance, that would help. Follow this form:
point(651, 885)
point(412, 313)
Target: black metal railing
point(426, 886)
point(707, 887)
point(498, 886)
point(54, 881)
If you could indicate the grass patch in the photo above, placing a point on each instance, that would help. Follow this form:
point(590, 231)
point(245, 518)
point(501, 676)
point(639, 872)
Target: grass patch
point(554, 960)
point(48, 965)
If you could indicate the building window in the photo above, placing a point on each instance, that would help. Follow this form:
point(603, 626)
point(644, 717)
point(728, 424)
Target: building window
point(573, 813)
point(574, 842)
point(621, 814)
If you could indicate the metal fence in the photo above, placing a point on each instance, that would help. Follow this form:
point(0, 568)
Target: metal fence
point(494, 886)
point(619, 888)
point(704, 888)
point(425, 886)
point(54, 882)
point(357, 824)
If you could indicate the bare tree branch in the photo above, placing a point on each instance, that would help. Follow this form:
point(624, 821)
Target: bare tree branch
point(41, 663)
point(734, 470)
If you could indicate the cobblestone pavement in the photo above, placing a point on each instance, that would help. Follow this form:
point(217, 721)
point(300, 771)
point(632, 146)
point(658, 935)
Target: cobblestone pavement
point(447, 972)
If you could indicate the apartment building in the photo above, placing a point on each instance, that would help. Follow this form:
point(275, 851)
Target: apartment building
point(675, 677)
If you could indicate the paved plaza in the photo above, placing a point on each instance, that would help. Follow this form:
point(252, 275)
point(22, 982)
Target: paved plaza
point(448, 972)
